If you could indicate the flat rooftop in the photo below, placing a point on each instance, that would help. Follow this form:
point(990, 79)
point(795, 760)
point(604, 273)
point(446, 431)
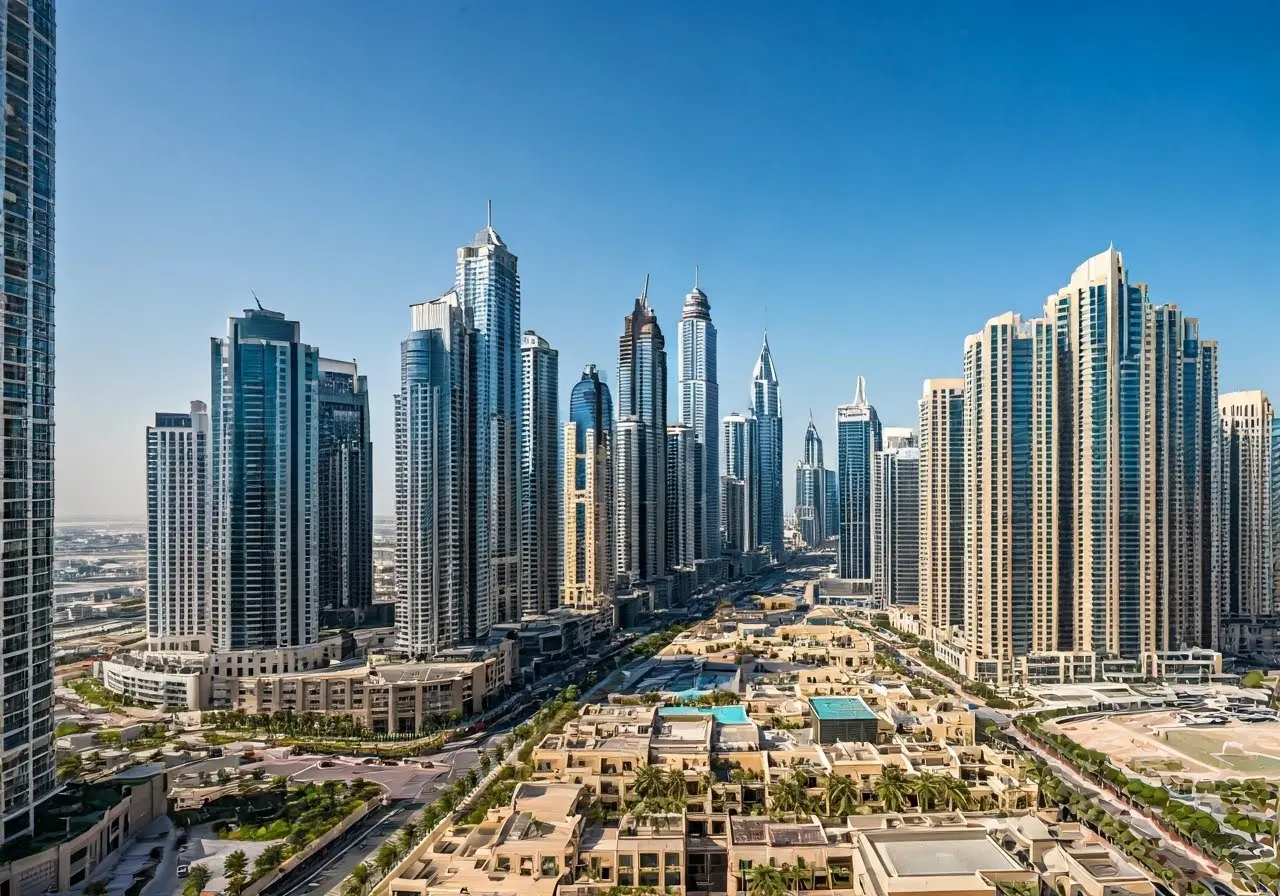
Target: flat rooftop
point(840, 708)
point(725, 715)
point(949, 854)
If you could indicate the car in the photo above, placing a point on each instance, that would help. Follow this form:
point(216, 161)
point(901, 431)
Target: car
point(184, 870)
point(325, 763)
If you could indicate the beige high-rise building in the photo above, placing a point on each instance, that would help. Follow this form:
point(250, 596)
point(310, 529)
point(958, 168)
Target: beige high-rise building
point(942, 503)
point(589, 560)
point(1247, 420)
point(1008, 489)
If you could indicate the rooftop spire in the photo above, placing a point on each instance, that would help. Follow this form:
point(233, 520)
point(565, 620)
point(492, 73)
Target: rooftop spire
point(860, 396)
point(489, 214)
point(696, 273)
point(644, 296)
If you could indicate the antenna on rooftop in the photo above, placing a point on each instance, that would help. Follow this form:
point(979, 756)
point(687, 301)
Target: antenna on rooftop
point(256, 299)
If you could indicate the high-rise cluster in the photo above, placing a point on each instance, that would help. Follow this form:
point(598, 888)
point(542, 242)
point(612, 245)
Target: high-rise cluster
point(811, 490)
point(1104, 500)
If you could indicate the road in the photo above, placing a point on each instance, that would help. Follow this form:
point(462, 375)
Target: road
point(1186, 851)
point(417, 787)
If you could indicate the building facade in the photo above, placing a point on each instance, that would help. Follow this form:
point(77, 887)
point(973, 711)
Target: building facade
point(832, 508)
point(896, 524)
point(346, 489)
point(264, 459)
point(942, 503)
point(440, 577)
point(29, 78)
point(488, 284)
point(683, 456)
point(700, 409)
point(766, 407)
point(741, 483)
point(1248, 421)
point(641, 460)
point(859, 438)
point(178, 529)
point(811, 490)
point(589, 558)
point(541, 501)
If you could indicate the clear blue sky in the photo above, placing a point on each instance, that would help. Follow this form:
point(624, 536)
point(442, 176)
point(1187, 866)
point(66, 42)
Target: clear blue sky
point(874, 181)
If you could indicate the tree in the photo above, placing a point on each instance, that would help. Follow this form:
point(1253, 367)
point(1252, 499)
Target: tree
point(70, 767)
point(839, 796)
point(385, 859)
point(408, 837)
point(650, 781)
point(361, 875)
point(236, 863)
point(235, 885)
point(269, 860)
point(955, 794)
point(927, 788)
point(891, 788)
point(198, 878)
point(486, 762)
point(766, 880)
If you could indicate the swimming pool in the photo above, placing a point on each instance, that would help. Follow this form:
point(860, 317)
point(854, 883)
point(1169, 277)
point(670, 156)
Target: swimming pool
point(725, 715)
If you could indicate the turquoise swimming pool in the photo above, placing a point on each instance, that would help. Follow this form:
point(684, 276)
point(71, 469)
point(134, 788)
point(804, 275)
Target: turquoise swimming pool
point(725, 715)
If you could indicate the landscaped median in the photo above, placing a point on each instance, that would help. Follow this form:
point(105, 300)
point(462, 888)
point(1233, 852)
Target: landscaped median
point(475, 796)
point(295, 821)
point(1172, 814)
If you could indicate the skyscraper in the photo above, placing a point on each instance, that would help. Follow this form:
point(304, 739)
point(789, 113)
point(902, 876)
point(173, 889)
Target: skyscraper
point(346, 489)
point(740, 483)
point(1008, 435)
point(1092, 478)
point(683, 454)
point(766, 407)
point(541, 501)
point(178, 529)
point(641, 460)
point(811, 490)
point(942, 503)
point(1248, 420)
point(438, 570)
point(858, 439)
point(831, 511)
point(700, 409)
point(264, 461)
point(28, 407)
point(896, 520)
point(489, 286)
point(589, 558)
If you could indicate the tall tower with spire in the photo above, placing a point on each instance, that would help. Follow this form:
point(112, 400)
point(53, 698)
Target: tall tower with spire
point(641, 434)
point(859, 438)
point(488, 283)
point(811, 489)
point(700, 410)
point(767, 409)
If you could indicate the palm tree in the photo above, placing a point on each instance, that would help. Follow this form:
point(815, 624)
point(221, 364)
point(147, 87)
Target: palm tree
point(235, 885)
point(955, 793)
point(236, 863)
point(927, 787)
point(197, 879)
point(408, 837)
point(650, 781)
point(839, 796)
point(386, 859)
point(675, 783)
point(361, 876)
point(766, 880)
point(891, 788)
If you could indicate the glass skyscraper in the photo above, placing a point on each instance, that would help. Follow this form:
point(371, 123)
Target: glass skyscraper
point(488, 284)
point(739, 483)
point(858, 440)
point(178, 530)
point(437, 566)
point(811, 490)
point(264, 461)
point(28, 410)
point(641, 455)
point(700, 409)
point(683, 454)
point(896, 520)
point(588, 483)
point(766, 407)
point(346, 489)
point(831, 512)
point(541, 501)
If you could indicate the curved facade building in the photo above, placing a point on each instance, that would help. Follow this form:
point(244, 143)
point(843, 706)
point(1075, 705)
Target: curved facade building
point(588, 490)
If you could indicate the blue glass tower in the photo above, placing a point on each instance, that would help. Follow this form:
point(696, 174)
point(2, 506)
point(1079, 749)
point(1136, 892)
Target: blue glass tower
point(700, 409)
point(858, 439)
point(264, 461)
point(766, 406)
